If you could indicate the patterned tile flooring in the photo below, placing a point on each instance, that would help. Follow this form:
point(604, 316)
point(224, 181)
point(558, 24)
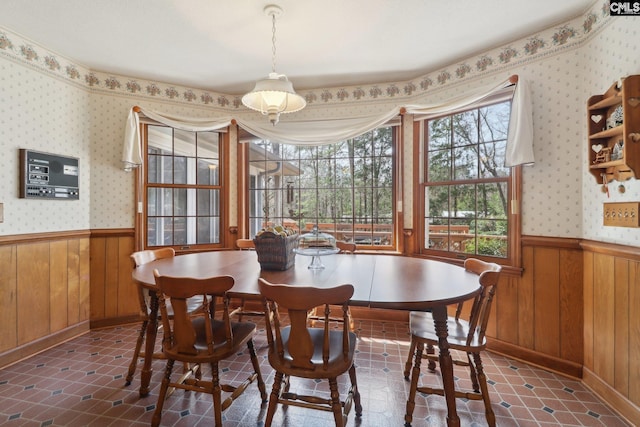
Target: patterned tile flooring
point(81, 383)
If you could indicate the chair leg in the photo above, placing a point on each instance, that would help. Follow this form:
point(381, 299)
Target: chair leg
point(286, 381)
point(356, 391)
point(336, 406)
point(162, 395)
point(198, 372)
point(415, 373)
point(482, 379)
point(273, 399)
point(241, 312)
point(256, 369)
point(217, 394)
point(473, 375)
point(136, 353)
point(407, 366)
point(431, 365)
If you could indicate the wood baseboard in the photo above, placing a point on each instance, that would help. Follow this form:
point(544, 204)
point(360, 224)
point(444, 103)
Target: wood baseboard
point(115, 321)
point(616, 401)
point(34, 347)
point(544, 361)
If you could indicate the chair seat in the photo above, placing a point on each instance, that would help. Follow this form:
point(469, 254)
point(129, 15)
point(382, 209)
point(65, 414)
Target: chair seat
point(242, 332)
point(421, 326)
point(336, 360)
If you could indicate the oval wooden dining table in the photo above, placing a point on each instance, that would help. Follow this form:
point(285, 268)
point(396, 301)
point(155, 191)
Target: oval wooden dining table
point(380, 281)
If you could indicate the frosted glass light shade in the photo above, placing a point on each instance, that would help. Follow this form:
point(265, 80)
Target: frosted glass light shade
point(272, 96)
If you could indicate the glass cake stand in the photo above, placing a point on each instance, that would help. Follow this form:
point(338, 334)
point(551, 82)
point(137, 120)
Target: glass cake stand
point(316, 244)
point(315, 254)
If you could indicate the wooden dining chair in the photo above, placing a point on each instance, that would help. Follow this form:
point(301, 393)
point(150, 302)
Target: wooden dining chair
point(298, 350)
point(466, 336)
point(140, 258)
point(241, 308)
point(245, 244)
point(208, 338)
point(345, 247)
point(194, 307)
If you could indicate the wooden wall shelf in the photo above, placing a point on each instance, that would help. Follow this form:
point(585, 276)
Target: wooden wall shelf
point(614, 145)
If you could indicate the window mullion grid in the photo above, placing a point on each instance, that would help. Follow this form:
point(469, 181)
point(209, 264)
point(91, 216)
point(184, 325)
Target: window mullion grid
point(372, 166)
point(477, 182)
point(452, 171)
point(352, 172)
point(173, 180)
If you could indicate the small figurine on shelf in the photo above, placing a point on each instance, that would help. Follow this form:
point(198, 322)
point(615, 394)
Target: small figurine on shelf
point(603, 154)
point(616, 118)
point(616, 153)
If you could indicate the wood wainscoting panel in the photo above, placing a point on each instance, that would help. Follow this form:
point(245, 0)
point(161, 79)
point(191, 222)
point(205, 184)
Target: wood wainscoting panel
point(114, 297)
point(33, 292)
point(604, 317)
point(546, 267)
point(58, 279)
point(621, 326)
point(8, 298)
point(612, 325)
point(98, 278)
point(127, 290)
point(84, 304)
point(50, 277)
point(540, 311)
point(571, 310)
point(634, 333)
point(525, 301)
point(44, 291)
point(112, 276)
point(506, 311)
point(73, 281)
point(588, 310)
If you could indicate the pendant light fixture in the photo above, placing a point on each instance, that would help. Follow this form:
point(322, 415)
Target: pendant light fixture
point(274, 95)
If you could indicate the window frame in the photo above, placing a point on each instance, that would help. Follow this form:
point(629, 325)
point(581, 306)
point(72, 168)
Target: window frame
point(395, 150)
point(221, 186)
point(514, 192)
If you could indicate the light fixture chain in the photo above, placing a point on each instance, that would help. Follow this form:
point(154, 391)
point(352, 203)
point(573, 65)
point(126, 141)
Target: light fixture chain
point(275, 94)
point(273, 42)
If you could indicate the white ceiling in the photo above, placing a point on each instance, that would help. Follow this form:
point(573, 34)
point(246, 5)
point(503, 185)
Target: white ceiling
point(225, 45)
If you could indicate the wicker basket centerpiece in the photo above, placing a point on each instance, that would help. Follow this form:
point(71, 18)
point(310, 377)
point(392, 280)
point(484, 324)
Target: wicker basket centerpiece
point(275, 247)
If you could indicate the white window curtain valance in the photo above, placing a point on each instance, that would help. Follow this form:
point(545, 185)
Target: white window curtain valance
point(307, 132)
point(329, 131)
point(317, 132)
point(519, 150)
point(132, 150)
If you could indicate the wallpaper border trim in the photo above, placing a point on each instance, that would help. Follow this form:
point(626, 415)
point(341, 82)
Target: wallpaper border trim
point(555, 39)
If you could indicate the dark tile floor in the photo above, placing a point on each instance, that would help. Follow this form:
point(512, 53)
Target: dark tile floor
point(81, 383)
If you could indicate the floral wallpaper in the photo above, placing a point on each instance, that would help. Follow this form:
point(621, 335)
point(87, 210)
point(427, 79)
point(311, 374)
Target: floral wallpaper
point(49, 103)
point(49, 115)
point(607, 58)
